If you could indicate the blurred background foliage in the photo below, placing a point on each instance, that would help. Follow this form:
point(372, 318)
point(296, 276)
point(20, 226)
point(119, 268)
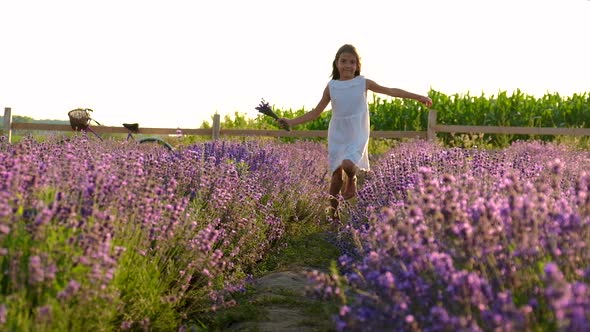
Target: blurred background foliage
point(517, 110)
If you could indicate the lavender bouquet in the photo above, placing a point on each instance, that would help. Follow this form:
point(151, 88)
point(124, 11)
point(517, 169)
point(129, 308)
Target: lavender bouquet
point(265, 109)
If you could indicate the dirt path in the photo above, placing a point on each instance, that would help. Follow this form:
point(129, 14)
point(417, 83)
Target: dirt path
point(277, 299)
point(284, 306)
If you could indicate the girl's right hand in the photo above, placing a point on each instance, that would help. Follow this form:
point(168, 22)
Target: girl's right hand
point(284, 123)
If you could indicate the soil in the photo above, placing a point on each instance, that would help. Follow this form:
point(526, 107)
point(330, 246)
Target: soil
point(281, 295)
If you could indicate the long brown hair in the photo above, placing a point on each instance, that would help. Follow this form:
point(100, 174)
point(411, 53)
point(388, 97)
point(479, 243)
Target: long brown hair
point(346, 48)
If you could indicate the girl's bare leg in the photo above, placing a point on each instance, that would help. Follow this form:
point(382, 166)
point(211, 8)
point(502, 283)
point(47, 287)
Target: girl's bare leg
point(350, 169)
point(335, 187)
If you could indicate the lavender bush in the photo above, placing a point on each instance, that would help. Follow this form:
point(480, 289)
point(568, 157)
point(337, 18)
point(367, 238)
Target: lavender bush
point(117, 236)
point(452, 239)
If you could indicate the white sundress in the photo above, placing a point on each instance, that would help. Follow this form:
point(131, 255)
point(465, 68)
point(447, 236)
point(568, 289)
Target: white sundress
point(348, 132)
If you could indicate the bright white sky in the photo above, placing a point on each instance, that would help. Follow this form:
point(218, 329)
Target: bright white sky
point(175, 63)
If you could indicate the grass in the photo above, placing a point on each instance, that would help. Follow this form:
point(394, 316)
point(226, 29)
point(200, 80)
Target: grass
point(307, 246)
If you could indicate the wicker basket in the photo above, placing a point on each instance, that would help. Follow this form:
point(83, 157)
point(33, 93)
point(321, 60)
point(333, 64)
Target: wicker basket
point(80, 118)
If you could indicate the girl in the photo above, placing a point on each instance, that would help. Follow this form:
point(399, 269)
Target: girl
point(348, 131)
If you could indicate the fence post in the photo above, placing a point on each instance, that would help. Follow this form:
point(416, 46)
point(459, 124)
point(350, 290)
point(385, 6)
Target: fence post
point(216, 126)
point(430, 132)
point(8, 123)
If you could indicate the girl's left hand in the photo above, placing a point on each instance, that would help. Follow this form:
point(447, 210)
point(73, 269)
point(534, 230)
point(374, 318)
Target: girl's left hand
point(425, 100)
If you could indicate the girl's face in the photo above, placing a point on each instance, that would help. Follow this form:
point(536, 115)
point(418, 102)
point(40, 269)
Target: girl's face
point(346, 66)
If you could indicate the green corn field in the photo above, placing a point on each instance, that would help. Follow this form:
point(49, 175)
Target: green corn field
point(517, 109)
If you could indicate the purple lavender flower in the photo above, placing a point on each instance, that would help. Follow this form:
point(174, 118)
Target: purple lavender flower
point(126, 325)
point(44, 314)
point(71, 290)
point(265, 109)
point(3, 313)
point(36, 271)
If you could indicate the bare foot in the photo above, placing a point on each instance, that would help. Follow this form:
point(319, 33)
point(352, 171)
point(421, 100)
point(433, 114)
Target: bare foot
point(333, 214)
point(350, 190)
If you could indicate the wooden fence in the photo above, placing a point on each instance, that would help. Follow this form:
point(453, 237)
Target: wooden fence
point(216, 131)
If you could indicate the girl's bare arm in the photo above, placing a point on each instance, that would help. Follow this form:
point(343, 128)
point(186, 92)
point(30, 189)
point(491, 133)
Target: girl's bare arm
point(397, 93)
point(311, 115)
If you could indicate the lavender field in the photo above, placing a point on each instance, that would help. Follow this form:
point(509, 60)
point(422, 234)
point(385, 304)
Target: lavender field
point(468, 240)
point(116, 236)
point(119, 236)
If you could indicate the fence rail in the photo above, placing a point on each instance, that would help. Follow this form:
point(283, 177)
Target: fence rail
point(216, 131)
point(513, 130)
